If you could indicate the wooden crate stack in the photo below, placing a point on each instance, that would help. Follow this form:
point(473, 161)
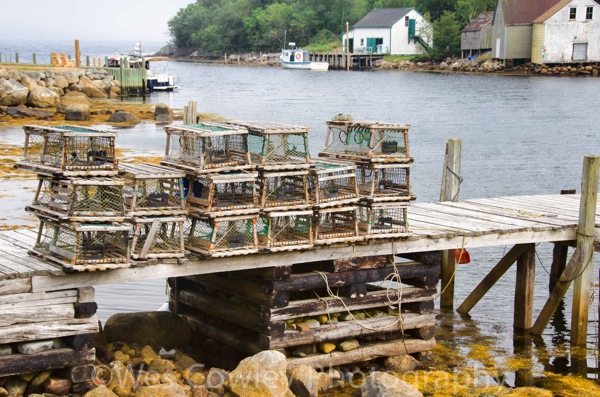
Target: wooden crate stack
point(381, 153)
point(79, 200)
point(321, 314)
point(154, 199)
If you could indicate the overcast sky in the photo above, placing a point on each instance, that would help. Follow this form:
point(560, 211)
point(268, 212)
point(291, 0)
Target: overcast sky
point(124, 20)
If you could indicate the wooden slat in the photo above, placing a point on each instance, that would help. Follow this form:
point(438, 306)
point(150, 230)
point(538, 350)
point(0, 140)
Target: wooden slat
point(48, 330)
point(52, 359)
point(15, 286)
point(38, 299)
point(36, 314)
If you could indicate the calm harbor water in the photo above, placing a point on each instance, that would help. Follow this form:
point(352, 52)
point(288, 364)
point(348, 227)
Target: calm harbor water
point(521, 135)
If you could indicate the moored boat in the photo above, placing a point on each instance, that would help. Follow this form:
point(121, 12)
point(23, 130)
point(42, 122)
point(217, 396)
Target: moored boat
point(297, 58)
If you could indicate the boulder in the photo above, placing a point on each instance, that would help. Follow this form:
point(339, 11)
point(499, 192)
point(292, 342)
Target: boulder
point(163, 113)
point(58, 386)
point(402, 363)
point(121, 379)
point(91, 89)
point(28, 82)
point(123, 117)
point(101, 391)
point(382, 384)
point(58, 91)
point(75, 88)
point(71, 77)
point(23, 111)
point(15, 387)
point(304, 381)
point(164, 390)
point(161, 366)
point(61, 81)
point(4, 74)
point(75, 98)
point(41, 97)
point(12, 93)
point(77, 113)
point(157, 329)
point(262, 375)
point(14, 74)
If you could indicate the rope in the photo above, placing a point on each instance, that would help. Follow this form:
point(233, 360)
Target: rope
point(460, 181)
point(462, 250)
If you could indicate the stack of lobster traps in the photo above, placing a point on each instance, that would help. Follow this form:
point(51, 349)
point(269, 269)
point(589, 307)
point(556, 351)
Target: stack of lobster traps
point(79, 198)
point(381, 154)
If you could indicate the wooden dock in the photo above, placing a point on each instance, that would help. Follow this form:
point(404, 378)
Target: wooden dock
point(338, 61)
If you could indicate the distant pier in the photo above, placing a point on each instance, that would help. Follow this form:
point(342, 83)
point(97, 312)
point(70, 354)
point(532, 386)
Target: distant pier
point(337, 61)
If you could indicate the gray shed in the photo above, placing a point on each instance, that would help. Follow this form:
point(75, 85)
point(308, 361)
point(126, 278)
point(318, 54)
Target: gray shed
point(476, 37)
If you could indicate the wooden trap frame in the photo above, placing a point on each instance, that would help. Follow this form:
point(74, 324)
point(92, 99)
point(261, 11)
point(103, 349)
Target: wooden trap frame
point(157, 238)
point(69, 151)
point(276, 146)
point(94, 199)
point(207, 147)
point(383, 220)
point(283, 190)
point(336, 225)
point(222, 236)
point(333, 183)
point(222, 194)
point(367, 141)
point(153, 190)
point(285, 231)
point(81, 247)
point(384, 182)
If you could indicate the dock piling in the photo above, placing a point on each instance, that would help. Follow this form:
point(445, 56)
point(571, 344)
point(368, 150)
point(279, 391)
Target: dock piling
point(524, 286)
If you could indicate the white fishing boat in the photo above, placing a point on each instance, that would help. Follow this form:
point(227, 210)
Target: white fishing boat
point(297, 58)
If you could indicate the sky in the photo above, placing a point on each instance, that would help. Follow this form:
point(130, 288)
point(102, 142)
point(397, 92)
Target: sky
point(124, 20)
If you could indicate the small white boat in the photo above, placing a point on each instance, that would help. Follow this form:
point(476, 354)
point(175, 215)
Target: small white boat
point(297, 58)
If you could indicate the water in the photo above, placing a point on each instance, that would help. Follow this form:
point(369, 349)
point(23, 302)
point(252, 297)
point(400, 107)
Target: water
point(521, 135)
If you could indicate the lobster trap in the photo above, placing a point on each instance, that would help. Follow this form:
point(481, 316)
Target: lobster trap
point(225, 236)
point(367, 141)
point(153, 190)
point(207, 147)
point(157, 238)
point(222, 194)
point(336, 225)
point(333, 183)
point(283, 190)
point(383, 220)
point(69, 151)
point(80, 246)
point(276, 146)
point(95, 199)
point(384, 182)
point(285, 231)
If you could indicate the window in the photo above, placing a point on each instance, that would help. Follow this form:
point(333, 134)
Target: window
point(572, 13)
point(362, 42)
point(589, 13)
point(406, 19)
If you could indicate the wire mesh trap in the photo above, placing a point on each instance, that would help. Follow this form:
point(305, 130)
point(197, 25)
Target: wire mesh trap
point(157, 237)
point(222, 194)
point(367, 141)
point(153, 190)
point(207, 147)
point(384, 182)
point(219, 237)
point(81, 247)
point(383, 220)
point(276, 146)
point(336, 225)
point(283, 190)
point(96, 199)
point(333, 183)
point(69, 150)
point(285, 231)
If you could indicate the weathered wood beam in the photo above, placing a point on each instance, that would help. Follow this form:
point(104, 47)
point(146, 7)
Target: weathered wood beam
point(51, 359)
point(524, 286)
point(48, 330)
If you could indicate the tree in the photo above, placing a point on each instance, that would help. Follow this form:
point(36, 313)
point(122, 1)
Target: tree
point(435, 8)
point(466, 10)
point(446, 36)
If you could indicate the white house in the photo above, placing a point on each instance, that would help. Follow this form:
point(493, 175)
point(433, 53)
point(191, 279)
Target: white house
point(566, 33)
point(396, 31)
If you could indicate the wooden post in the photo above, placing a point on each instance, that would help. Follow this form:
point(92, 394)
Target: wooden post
point(347, 47)
point(559, 256)
point(523, 313)
point(34, 58)
point(579, 266)
point(450, 190)
point(77, 54)
point(87, 60)
point(16, 57)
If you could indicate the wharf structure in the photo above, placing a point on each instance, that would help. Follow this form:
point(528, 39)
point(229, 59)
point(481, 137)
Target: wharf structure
point(286, 283)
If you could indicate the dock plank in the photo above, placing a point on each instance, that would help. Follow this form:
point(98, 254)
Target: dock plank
point(48, 330)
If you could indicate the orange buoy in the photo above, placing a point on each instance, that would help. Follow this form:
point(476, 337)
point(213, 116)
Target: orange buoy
point(462, 256)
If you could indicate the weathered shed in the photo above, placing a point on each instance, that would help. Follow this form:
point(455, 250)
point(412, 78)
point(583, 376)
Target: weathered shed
point(396, 31)
point(568, 32)
point(476, 37)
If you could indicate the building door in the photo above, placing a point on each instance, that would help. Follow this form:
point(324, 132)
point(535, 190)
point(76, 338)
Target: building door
point(371, 45)
point(580, 51)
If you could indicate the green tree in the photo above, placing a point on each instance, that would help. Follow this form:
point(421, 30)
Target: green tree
point(466, 10)
point(446, 36)
point(435, 8)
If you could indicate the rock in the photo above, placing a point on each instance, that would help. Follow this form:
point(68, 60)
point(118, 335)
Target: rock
point(402, 363)
point(61, 82)
point(14, 74)
point(28, 82)
point(162, 109)
point(123, 117)
point(304, 381)
point(75, 88)
point(15, 387)
point(101, 391)
point(42, 83)
point(37, 384)
point(89, 88)
point(163, 119)
point(163, 390)
point(77, 113)
point(5, 350)
point(3, 392)
point(58, 386)
point(148, 354)
point(120, 378)
point(216, 377)
point(312, 323)
point(4, 74)
point(382, 384)
point(157, 329)
point(261, 375)
point(342, 117)
point(58, 91)
point(161, 366)
point(23, 111)
point(326, 347)
point(12, 93)
point(75, 98)
point(185, 362)
point(35, 347)
point(302, 351)
point(41, 97)
point(347, 345)
point(71, 77)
